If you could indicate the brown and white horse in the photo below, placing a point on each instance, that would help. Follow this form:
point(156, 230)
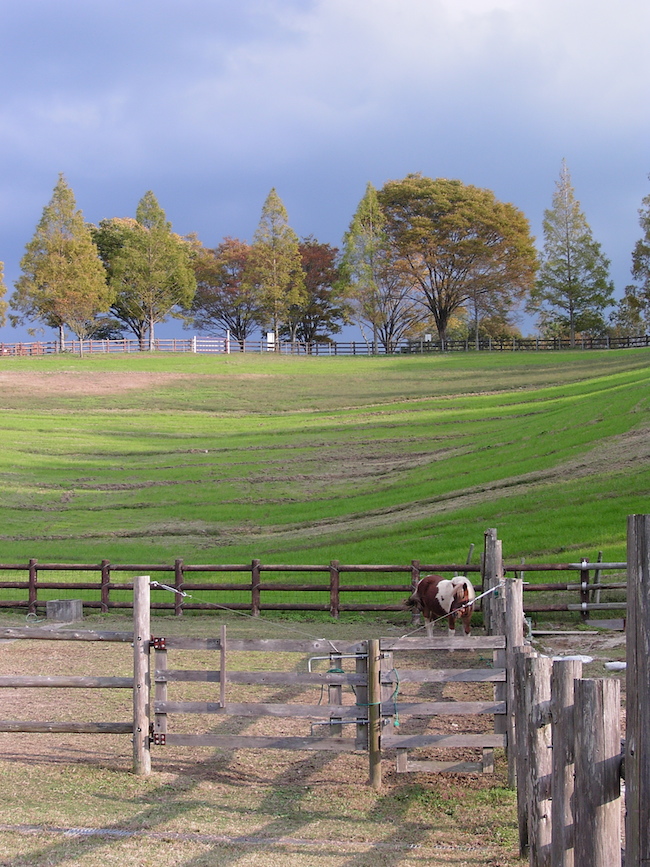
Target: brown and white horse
point(437, 597)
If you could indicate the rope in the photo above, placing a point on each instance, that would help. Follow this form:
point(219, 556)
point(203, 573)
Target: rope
point(445, 616)
point(243, 614)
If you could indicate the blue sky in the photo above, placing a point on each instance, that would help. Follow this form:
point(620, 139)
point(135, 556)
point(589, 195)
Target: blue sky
point(210, 103)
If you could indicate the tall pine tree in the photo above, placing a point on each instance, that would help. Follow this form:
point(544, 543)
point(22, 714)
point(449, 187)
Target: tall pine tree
point(573, 286)
point(3, 290)
point(275, 266)
point(63, 281)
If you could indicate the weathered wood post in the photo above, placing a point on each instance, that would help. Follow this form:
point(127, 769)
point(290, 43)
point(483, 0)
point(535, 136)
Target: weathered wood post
point(335, 581)
point(564, 673)
point(514, 627)
point(598, 767)
point(540, 759)
point(141, 677)
point(255, 588)
point(374, 712)
point(492, 575)
point(521, 744)
point(178, 586)
point(637, 730)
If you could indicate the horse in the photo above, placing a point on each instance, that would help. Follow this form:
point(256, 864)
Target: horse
point(436, 597)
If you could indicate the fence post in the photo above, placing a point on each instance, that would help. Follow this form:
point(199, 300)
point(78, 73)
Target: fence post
point(514, 629)
point(538, 699)
point(415, 577)
point(334, 588)
point(33, 589)
point(521, 744)
point(255, 588)
point(374, 712)
point(178, 585)
point(141, 676)
point(105, 581)
point(492, 574)
point(563, 675)
point(598, 767)
point(637, 734)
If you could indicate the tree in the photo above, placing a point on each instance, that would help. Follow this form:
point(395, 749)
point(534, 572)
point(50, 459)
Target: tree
point(3, 290)
point(148, 265)
point(573, 286)
point(322, 308)
point(276, 266)
point(633, 312)
point(63, 281)
point(456, 242)
point(224, 297)
point(379, 292)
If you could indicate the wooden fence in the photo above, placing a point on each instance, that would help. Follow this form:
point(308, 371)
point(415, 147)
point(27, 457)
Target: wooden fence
point(339, 593)
point(228, 344)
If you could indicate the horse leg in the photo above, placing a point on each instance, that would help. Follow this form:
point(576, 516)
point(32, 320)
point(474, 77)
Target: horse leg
point(429, 627)
point(467, 622)
point(451, 626)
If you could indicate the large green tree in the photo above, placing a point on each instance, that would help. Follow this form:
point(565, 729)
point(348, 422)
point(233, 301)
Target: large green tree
point(323, 307)
point(276, 266)
point(225, 298)
point(378, 287)
point(632, 314)
point(62, 281)
point(149, 267)
point(455, 242)
point(573, 288)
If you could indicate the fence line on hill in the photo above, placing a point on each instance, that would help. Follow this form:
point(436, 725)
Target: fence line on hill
point(228, 344)
point(263, 595)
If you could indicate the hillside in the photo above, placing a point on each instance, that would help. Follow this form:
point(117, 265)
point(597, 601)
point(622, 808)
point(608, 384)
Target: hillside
point(143, 459)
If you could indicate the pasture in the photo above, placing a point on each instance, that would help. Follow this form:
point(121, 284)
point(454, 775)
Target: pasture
point(300, 460)
point(291, 460)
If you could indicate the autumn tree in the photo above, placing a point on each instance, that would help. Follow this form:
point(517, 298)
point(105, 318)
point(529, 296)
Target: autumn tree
point(573, 286)
point(149, 267)
point(62, 281)
point(322, 308)
point(275, 265)
point(379, 290)
point(225, 297)
point(455, 242)
point(632, 314)
point(3, 291)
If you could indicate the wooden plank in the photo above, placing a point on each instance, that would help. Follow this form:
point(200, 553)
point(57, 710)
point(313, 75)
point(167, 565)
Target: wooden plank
point(266, 645)
point(37, 727)
point(303, 711)
point(242, 742)
point(440, 708)
point(489, 739)
point(430, 767)
point(42, 633)
point(264, 677)
point(540, 758)
point(446, 675)
point(459, 642)
point(141, 675)
point(60, 681)
point(563, 675)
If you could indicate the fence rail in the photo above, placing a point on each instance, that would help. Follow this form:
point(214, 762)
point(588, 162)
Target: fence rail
point(179, 590)
point(228, 344)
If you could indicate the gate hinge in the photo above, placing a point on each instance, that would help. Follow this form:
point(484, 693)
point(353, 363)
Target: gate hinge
point(159, 643)
point(159, 739)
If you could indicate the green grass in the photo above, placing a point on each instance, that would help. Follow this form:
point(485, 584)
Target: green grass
point(145, 458)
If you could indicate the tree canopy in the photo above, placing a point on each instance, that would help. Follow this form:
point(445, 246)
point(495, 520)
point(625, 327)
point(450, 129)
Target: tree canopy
point(3, 289)
point(225, 297)
point(456, 242)
point(62, 281)
point(573, 287)
point(633, 312)
point(149, 267)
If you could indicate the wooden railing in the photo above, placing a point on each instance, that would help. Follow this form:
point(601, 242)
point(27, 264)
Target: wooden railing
point(228, 344)
point(265, 587)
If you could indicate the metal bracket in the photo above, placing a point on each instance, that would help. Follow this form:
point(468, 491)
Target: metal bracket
point(159, 643)
point(158, 739)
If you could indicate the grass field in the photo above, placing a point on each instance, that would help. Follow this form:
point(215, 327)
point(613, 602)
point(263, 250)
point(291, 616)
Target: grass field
point(144, 459)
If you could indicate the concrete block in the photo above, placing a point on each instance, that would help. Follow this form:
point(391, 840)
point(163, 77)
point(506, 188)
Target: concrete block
point(64, 610)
